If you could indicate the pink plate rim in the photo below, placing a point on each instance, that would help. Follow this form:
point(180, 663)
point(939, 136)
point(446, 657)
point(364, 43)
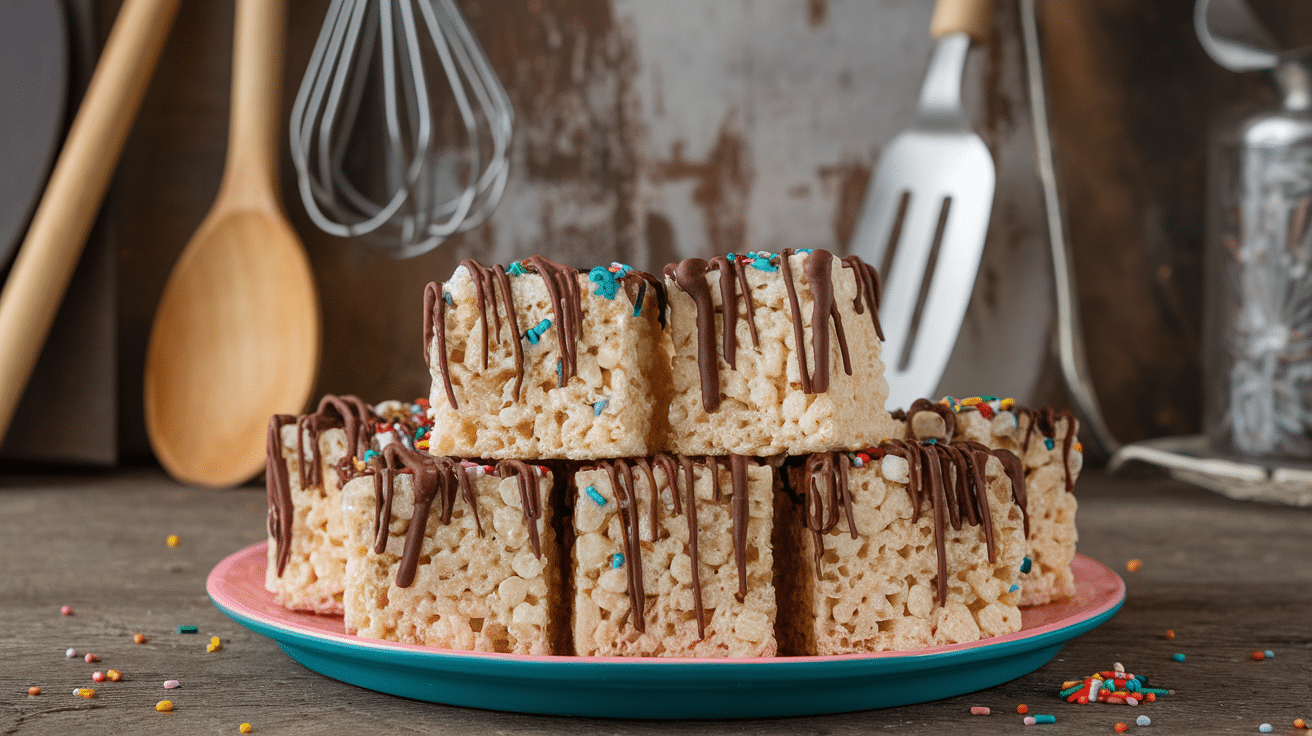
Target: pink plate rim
point(236, 585)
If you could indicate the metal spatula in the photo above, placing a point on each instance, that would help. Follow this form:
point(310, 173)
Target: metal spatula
point(926, 213)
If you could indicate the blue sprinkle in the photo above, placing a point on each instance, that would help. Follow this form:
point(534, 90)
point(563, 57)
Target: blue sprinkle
point(1048, 443)
point(592, 494)
point(1013, 588)
point(1025, 565)
point(446, 296)
point(419, 433)
point(607, 286)
point(369, 455)
point(416, 409)
point(516, 269)
point(1178, 657)
point(598, 407)
point(616, 560)
point(186, 629)
point(1269, 654)
point(764, 264)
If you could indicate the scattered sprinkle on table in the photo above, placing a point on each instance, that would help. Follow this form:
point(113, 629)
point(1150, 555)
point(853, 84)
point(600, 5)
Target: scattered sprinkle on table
point(66, 610)
point(90, 658)
point(1265, 728)
point(85, 692)
point(214, 645)
point(1298, 722)
point(170, 684)
point(34, 690)
point(246, 728)
point(1170, 634)
point(139, 639)
point(164, 706)
point(1120, 727)
point(1134, 565)
point(70, 652)
point(1022, 709)
point(1259, 656)
point(187, 629)
point(1178, 657)
point(979, 710)
point(98, 676)
point(172, 540)
point(114, 675)
point(1269, 654)
point(1143, 721)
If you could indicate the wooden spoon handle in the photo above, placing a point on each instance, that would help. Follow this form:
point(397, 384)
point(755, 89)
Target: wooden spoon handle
point(972, 17)
point(251, 172)
point(50, 251)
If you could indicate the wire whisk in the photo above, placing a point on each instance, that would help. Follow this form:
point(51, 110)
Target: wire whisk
point(392, 48)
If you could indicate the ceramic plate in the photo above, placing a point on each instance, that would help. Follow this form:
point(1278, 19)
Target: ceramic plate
point(662, 688)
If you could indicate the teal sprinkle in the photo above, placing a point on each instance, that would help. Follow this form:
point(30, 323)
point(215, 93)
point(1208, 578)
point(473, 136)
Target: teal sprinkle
point(560, 374)
point(1045, 719)
point(764, 264)
point(930, 441)
point(804, 251)
point(858, 463)
point(617, 560)
point(607, 286)
point(1156, 690)
point(1178, 657)
point(637, 304)
point(535, 333)
point(369, 455)
point(592, 494)
point(1269, 654)
point(185, 629)
point(599, 407)
point(989, 398)
point(1070, 691)
point(731, 258)
point(1048, 443)
point(446, 296)
point(1025, 565)
point(419, 433)
point(416, 409)
point(516, 269)
point(1013, 588)
point(1132, 686)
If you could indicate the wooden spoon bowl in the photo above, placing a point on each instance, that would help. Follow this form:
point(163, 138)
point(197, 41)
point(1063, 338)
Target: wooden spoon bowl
point(236, 335)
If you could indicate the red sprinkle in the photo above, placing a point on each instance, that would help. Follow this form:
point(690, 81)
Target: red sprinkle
point(90, 658)
point(98, 676)
point(34, 690)
point(1022, 709)
point(1151, 697)
point(979, 710)
point(1170, 633)
point(1259, 656)
point(139, 638)
point(1120, 727)
point(66, 610)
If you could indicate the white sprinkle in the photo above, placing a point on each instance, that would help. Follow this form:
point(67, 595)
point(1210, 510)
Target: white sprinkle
point(70, 652)
point(170, 684)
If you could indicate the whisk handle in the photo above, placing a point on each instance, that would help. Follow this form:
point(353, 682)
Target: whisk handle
point(253, 132)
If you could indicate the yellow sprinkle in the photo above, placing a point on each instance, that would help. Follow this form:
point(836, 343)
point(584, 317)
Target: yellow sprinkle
point(973, 400)
point(359, 465)
point(85, 692)
point(173, 540)
point(246, 728)
point(164, 706)
point(1134, 565)
point(1007, 403)
point(211, 647)
point(1079, 446)
point(114, 675)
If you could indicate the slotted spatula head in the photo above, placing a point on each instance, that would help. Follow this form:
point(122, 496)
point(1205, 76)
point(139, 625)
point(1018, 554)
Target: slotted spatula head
point(923, 225)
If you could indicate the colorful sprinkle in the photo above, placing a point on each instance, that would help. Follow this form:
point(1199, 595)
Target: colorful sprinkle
point(1030, 720)
point(1259, 656)
point(1265, 728)
point(1013, 588)
point(617, 560)
point(1170, 634)
point(164, 706)
point(1298, 722)
point(70, 652)
point(90, 658)
point(172, 540)
point(114, 675)
point(1026, 564)
point(245, 728)
point(604, 278)
point(85, 692)
point(1042, 718)
point(516, 269)
point(214, 645)
point(1120, 728)
point(1143, 721)
point(1134, 565)
point(98, 676)
point(1048, 443)
point(599, 406)
point(592, 494)
point(171, 684)
point(535, 333)
point(979, 710)
point(187, 629)
point(34, 690)
point(1022, 709)
point(764, 264)
point(446, 297)
point(65, 610)
point(1269, 654)
point(1178, 657)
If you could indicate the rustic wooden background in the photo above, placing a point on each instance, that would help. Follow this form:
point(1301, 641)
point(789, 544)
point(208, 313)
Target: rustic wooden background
point(652, 131)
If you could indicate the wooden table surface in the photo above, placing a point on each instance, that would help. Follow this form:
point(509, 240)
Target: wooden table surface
point(1228, 577)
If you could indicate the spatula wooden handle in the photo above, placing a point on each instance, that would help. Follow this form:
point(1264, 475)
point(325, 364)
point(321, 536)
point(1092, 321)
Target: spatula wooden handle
point(972, 17)
point(250, 174)
point(50, 251)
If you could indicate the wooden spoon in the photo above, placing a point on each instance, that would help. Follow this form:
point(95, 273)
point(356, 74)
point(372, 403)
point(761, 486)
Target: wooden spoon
point(236, 338)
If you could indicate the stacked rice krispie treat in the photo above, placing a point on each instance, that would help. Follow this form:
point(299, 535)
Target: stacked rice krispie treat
point(610, 463)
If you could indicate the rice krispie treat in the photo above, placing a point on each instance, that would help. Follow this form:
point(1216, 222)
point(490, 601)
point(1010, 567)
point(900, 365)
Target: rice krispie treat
point(672, 558)
point(900, 547)
point(307, 458)
point(539, 360)
point(453, 554)
point(775, 354)
point(1045, 441)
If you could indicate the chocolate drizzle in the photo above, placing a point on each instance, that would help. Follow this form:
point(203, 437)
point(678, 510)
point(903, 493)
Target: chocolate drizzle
point(438, 480)
point(347, 413)
point(493, 295)
point(690, 277)
point(950, 478)
point(680, 477)
point(1046, 420)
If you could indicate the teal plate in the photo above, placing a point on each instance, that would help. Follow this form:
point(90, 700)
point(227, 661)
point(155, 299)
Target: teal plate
point(662, 688)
